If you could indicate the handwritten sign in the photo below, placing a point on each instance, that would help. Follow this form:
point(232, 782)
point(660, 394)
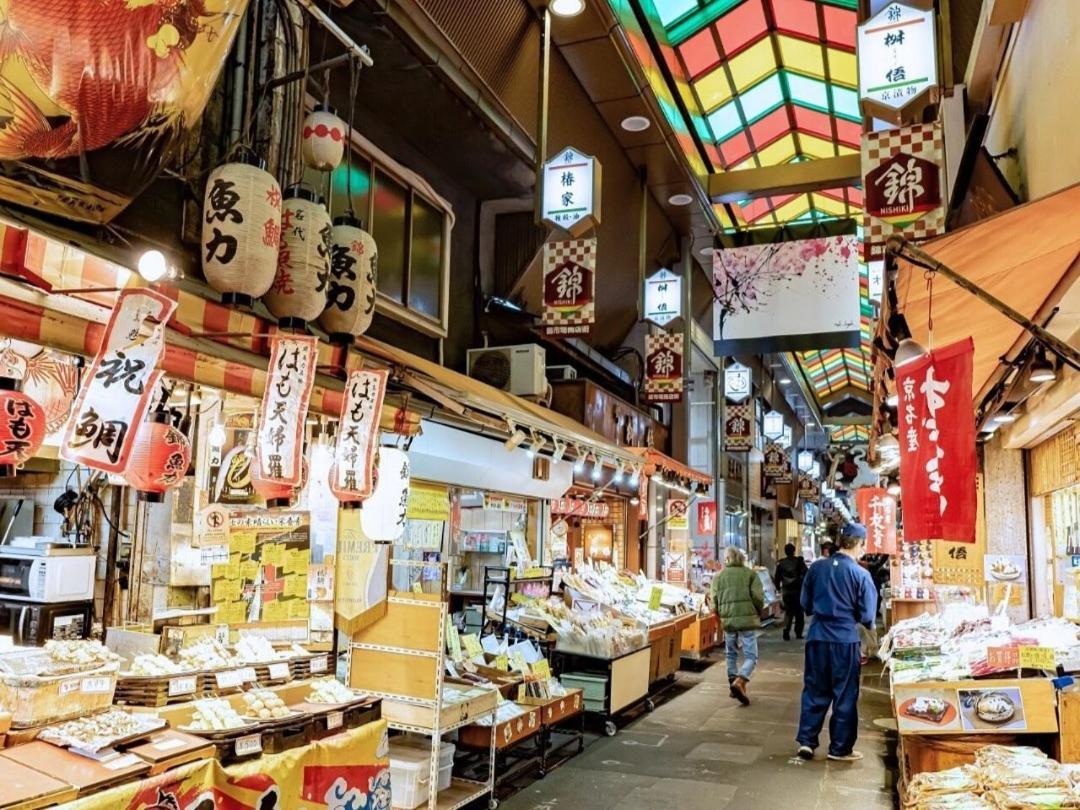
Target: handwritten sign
point(1003, 658)
point(383, 515)
point(246, 746)
point(182, 686)
point(280, 437)
point(319, 664)
point(358, 434)
point(1037, 658)
point(655, 595)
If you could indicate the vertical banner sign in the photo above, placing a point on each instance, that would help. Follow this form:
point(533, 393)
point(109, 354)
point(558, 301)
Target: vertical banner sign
point(738, 429)
point(280, 442)
point(663, 297)
point(117, 390)
point(663, 368)
point(384, 513)
point(897, 49)
point(809, 492)
point(706, 517)
point(877, 512)
point(361, 575)
point(571, 200)
point(775, 461)
point(569, 287)
point(937, 445)
point(903, 186)
point(677, 554)
point(358, 434)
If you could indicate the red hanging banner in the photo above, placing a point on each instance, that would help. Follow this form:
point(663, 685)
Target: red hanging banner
point(706, 517)
point(877, 511)
point(937, 445)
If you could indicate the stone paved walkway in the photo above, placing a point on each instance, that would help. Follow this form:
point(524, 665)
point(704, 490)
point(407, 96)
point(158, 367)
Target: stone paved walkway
point(700, 749)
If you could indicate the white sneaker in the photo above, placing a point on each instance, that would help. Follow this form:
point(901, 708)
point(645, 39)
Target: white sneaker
point(805, 752)
point(854, 756)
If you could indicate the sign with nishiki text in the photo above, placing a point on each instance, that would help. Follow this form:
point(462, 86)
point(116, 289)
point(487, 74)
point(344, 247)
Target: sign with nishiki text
point(569, 287)
point(776, 467)
point(280, 434)
point(571, 200)
point(877, 512)
point(116, 393)
point(897, 50)
point(358, 434)
point(738, 429)
point(937, 444)
point(663, 297)
point(663, 368)
point(809, 489)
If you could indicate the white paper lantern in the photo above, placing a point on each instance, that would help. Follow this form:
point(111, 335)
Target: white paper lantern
point(353, 261)
point(298, 294)
point(382, 517)
point(241, 231)
point(324, 139)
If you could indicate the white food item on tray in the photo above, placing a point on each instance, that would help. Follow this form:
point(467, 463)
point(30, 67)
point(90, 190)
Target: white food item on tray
point(330, 690)
point(255, 649)
point(96, 731)
point(215, 714)
point(77, 654)
point(153, 664)
point(207, 653)
point(263, 704)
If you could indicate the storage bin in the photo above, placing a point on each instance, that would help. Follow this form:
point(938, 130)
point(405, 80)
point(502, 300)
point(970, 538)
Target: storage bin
point(593, 687)
point(420, 743)
point(409, 777)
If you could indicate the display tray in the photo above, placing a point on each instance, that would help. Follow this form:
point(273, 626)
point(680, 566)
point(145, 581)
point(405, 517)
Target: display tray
point(86, 775)
point(52, 734)
point(273, 722)
point(23, 788)
point(452, 714)
point(331, 718)
point(155, 691)
point(170, 749)
point(555, 710)
point(507, 733)
point(221, 734)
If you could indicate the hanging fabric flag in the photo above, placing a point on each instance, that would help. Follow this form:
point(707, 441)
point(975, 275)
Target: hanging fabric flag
point(117, 389)
point(358, 434)
point(937, 445)
point(877, 512)
point(663, 368)
point(280, 435)
point(569, 287)
point(738, 429)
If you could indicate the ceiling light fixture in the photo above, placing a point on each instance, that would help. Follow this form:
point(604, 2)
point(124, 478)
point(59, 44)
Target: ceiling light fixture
point(680, 199)
point(579, 462)
point(153, 266)
point(1042, 370)
point(596, 467)
point(1001, 417)
point(567, 8)
point(636, 123)
point(892, 400)
point(708, 250)
point(784, 381)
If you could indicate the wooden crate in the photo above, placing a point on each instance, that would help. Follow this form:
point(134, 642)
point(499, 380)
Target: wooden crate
point(507, 733)
point(35, 701)
point(700, 636)
point(557, 709)
point(159, 690)
point(665, 653)
point(412, 714)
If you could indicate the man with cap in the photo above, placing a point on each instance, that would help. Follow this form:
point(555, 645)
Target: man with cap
point(838, 594)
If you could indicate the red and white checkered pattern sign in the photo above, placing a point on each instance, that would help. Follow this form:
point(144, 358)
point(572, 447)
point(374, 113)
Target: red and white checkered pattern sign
point(569, 287)
point(663, 368)
point(913, 183)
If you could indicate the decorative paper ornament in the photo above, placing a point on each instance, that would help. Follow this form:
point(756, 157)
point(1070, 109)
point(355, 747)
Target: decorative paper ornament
point(53, 381)
point(159, 458)
point(276, 494)
point(353, 261)
point(300, 287)
point(22, 427)
point(324, 139)
point(346, 500)
point(241, 231)
point(383, 514)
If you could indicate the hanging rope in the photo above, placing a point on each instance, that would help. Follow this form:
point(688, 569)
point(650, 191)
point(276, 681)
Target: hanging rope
point(929, 276)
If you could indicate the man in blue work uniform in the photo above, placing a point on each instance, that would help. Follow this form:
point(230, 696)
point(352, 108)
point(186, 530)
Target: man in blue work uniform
point(839, 595)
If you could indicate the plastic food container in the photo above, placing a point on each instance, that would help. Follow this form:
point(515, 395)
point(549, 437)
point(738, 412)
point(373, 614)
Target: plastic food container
point(409, 772)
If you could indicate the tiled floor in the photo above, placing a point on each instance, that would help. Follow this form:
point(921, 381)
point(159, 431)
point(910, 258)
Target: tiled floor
point(700, 749)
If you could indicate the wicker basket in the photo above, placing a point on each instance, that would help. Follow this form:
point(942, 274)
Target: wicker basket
point(35, 700)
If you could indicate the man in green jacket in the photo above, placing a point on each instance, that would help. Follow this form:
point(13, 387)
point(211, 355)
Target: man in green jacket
point(738, 599)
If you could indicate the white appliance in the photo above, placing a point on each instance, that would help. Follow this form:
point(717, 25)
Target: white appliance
point(561, 373)
point(47, 572)
point(517, 369)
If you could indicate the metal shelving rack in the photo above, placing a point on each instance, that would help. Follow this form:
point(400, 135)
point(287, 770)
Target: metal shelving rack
point(500, 575)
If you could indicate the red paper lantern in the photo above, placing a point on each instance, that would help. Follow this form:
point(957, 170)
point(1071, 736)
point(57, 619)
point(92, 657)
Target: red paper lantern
point(22, 427)
point(159, 459)
point(348, 500)
point(276, 494)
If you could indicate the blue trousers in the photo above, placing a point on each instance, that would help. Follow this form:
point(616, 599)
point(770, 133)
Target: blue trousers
point(748, 640)
point(831, 678)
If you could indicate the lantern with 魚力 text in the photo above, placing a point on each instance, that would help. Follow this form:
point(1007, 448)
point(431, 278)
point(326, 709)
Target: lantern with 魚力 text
point(300, 287)
point(159, 459)
point(22, 427)
point(324, 139)
point(353, 260)
point(241, 232)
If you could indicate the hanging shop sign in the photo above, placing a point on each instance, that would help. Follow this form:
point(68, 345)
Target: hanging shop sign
point(903, 187)
point(82, 142)
point(579, 507)
point(114, 398)
point(678, 513)
point(569, 287)
point(898, 73)
point(302, 281)
point(706, 517)
point(790, 296)
point(809, 491)
point(875, 271)
point(280, 432)
point(776, 461)
point(805, 460)
point(773, 425)
point(877, 512)
point(786, 438)
point(358, 434)
point(937, 445)
point(571, 200)
point(737, 382)
point(738, 429)
point(663, 297)
point(384, 513)
point(354, 259)
point(22, 427)
point(663, 368)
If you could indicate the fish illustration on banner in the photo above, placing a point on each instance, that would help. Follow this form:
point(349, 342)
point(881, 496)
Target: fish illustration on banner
point(95, 94)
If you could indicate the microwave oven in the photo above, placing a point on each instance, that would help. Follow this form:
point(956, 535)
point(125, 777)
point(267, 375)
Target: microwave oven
point(50, 577)
point(31, 624)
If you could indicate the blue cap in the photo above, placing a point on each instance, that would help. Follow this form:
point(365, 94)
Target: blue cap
point(856, 530)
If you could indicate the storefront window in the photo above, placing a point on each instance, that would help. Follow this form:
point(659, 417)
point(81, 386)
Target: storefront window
point(388, 226)
point(425, 277)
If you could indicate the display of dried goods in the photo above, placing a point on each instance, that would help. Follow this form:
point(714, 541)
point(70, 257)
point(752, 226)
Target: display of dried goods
point(952, 801)
point(214, 714)
point(262, 704)
point(99, 731)
point(207, 653)
point(954, 780)
point(75, 656)
point(330, 690)
point(1041, 798)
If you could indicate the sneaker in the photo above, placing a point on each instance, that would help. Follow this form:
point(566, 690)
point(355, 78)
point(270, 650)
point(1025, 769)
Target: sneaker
point(853, 756)
point(805, 752)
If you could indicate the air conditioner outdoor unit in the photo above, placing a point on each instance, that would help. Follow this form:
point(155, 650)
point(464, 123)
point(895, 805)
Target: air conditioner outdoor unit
point(517, 369)
point(561, 373)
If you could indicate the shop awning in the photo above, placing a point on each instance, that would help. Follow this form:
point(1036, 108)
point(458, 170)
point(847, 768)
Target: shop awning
point(1027, 257)
point(659, 461)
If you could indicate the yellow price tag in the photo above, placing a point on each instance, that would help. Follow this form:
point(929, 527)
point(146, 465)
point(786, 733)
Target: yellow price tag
point(472, 645)
point(1037, 658)
point(542, 669)
point(655, 595)
point(418, 587)
point(453, 640)
point(502, 662)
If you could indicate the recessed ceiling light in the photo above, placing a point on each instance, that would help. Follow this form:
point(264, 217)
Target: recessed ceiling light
point(567, 8)
point(636, 123)
point(1004, 416)
point(784, 381)
point(680, 199)
point(708, 250)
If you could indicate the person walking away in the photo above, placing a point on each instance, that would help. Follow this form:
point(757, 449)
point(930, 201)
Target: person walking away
point(790, 573)
point(838, 595)
point(738, 598)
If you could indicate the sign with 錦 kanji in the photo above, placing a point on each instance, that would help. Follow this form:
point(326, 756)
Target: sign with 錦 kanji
point(937, 444)
point(877, 512)
point(280, 434)
point(897, 50)
point(569, 287)
point(738, 429)
point(903, 186)
point(571, 200)
point(663, 297)
point(776, 466)
point(809, 490)
point(663, 368)
point(358, 434)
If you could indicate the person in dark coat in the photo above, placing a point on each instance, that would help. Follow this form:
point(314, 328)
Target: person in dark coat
point(789, 576)
point(838, 595)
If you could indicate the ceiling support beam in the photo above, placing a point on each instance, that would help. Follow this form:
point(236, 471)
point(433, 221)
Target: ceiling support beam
point(789, 178)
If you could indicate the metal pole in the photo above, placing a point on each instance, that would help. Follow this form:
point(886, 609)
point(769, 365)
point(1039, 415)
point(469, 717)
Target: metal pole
point(542, 112)
point(359, 51)
point(643, 223)
point(719, 458)
point(898, 246)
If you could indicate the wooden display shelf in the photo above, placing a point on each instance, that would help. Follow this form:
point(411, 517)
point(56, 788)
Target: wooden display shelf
point(508, 733)
point(700, 636)
point(460, 793)
point(421, 716)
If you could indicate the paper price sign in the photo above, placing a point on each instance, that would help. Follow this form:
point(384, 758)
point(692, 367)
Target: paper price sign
point(280, 671)
point(251, 744)
point(68, 687)
point(121, 762)
point(542, 669)
point(334, 720)
point(655, 595)
point(229, 679)
point(1037, 658)
point(502, 662)
point(182, 686)
point(319, 664)
point(472, 645)
point(999, 658)
point(95, 685)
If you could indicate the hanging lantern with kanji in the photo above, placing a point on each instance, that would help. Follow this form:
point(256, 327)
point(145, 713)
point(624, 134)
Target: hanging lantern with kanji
point(300, 287)
point(159, 458)
point(347, 499)
point(277, 495)
point(22, 427)
point(324, 139)
point(353, 260)
point(241, 231)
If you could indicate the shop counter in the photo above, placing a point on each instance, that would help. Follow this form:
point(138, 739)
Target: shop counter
point(609, 685)
point(701, 636)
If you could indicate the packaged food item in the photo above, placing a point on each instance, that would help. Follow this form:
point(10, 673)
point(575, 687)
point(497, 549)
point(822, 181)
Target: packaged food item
point(964, 779)
point(1035, 798)
point(1023, 773)
point(330, 690)
point(953, 801)
point(990, 756)
point(262, 704)
point(215, 714)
